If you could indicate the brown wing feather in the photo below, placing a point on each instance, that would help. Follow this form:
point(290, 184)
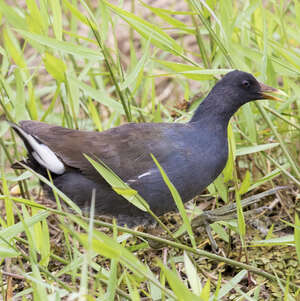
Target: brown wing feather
point(125, 149)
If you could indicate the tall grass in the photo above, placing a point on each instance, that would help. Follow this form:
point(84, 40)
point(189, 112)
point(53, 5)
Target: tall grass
point(98, 64)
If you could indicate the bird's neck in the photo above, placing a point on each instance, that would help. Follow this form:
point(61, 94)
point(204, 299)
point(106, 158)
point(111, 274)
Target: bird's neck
point(215, 108)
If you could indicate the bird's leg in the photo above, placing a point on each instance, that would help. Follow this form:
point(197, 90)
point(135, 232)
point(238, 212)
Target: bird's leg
point(225, 213)
point(213, 243)
point(228, 212)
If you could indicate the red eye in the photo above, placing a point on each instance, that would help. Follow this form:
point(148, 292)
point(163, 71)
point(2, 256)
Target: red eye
point(246, 83)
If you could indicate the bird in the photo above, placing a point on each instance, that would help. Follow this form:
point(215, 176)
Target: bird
point(192, 154)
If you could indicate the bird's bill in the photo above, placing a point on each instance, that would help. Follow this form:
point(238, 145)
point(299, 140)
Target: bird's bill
point(266, 92)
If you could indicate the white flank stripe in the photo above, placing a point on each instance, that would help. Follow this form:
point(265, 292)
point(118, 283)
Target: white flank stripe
point(144, 175)
point(43, 154)
point(131, 181)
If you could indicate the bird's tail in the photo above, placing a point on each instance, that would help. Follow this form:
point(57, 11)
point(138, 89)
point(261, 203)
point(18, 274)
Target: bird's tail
point(40, 156)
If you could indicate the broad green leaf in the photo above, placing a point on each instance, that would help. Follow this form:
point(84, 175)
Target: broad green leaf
point(283, 240)
point(297, 11)
point(228, 170)
point(76, 12)
point(291, 57)
point(178, 201)
point(57, 18)
point(192, 275)
point(12, 16)
point(6, 251)
point(33, 233)
point(112, 280)
point(297, 236)
point(241, 217)
point(55, 66)
point(45, 244)
point(246, 150)
point(214, 36)
point(106, 249)
point(221, 188)
point(13, 178)
point(118, 185)
point(230, 285)
point(37, 282)
point(192, 72)
point(273, 174)
point(32, 102)
point(166, 16)
point(226, 18)
point(176, 284)
point(8, 204)
point(246, 183)
point(249, 122)
point(148, 30)
point(270, 233)
point(257, 20)
point(44, 10)
point(8, 233)
point(34, 18)
point(20, 101)
point(179, 67)
point(134, 74)
point(204, 74)
point(62, 46)
point(13, 48)
point(100, 96)
point(125, 191)
point(205, 293)
point(73, 94)
point(94, 114)
point(3, 52)
point(220, 231)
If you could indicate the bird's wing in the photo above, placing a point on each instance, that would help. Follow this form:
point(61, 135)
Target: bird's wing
point(125, 149)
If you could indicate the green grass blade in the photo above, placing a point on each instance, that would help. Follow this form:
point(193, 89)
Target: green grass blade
point(177, 200)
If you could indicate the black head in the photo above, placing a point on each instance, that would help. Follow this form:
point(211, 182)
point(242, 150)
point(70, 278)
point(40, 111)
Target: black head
point(231, 92)
point(244, 87)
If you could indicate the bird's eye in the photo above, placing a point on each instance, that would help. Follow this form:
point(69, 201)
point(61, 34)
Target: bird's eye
point(246, 83)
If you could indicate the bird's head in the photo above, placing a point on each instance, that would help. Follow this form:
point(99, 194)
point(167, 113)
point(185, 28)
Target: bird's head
point(231, 92)
point(243, 87)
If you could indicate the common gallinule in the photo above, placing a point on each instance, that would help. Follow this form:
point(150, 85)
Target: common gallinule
point(192, 154)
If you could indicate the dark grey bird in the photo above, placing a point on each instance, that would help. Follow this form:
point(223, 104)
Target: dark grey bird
point(192, 154)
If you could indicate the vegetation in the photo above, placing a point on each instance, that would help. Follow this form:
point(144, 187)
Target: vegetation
point(95, 65)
